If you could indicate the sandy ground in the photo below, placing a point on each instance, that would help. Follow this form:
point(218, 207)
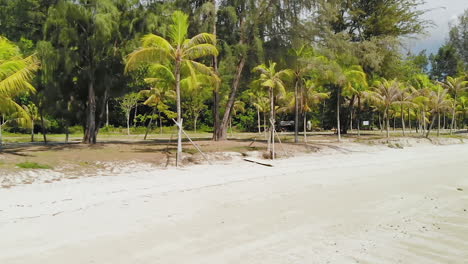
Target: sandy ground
point(359, 205)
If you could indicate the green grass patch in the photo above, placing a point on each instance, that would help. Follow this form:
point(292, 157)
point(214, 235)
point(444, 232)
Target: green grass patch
point(33, 165)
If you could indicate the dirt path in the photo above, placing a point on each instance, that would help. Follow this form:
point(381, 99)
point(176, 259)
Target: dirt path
point(385, 206)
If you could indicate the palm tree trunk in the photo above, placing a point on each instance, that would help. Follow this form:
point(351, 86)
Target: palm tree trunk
point(107, 113)
point(222, 130)
point(195, 123)
point(387, 120)
point(160, 123)
point(351, 120)
point(258, 122)
point(453, 115)
point(338, 128)
point(403, 119)
point(128, 124)
point(305, 127)
point(296, 112)
point(358, 117)
point(179, 115)
point(381, 123)
point(438, 125)
point(148, 127)
point(32, 130)
point(1, 130)
point(272, 124)
point(430, 126)
point(135, 115)
point(216, 88)
point(424, 120)
point(230, 125)
point(44, 131)
point(264, 124)
point(444, 125)
point(409, 120)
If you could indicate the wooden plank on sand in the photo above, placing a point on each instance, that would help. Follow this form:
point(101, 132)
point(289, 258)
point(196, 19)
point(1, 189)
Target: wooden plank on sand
point(259, 162)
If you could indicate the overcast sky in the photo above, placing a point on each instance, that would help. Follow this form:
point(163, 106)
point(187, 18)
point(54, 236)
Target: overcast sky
point(442, 13)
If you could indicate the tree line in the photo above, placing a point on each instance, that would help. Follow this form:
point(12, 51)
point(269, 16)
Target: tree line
point(209, 64)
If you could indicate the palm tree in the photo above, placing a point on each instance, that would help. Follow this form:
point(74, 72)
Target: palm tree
point(238, 106)
point(385, 94)
point(439, 101)
point(355, 86)
point(455, 86)
point(16, 74)
point(33, 115)
point(311, 97)
point(197, 91)
point(274, 81)
point(405, 98)
point(179, 52)
point(155, 98)
point(462, 108)
point(300, 69)
point(262, 105)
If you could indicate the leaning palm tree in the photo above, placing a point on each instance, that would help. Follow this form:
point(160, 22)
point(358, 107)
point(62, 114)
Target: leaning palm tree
point(179, 52)
point(274, 81)
point(310, 98)
point(455, 86)
point(385, 94)
point(16, 74)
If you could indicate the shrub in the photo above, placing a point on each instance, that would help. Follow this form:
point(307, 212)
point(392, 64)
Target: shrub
point(33, 165)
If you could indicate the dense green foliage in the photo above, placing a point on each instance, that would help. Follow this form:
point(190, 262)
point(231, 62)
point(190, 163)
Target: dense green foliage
point(333, 64)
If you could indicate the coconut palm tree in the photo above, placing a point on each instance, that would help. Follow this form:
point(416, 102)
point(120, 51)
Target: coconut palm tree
point(262, 105)
point(385, 94)
point(33, 115)
point(310, 98)
point(405, 98)
point(355, 86)
point(301, 68)
point(197, 91)
point(179, 52)
point(238, 107)
point(16, 74)
point(455, 86)
point(439, 101)
point(274, 81)
point(156, 97)
point(462, 109)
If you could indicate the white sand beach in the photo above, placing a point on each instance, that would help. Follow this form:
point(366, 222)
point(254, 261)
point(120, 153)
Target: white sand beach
point(364, 205)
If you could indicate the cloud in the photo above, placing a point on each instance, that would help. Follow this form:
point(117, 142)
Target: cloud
point(442, 13)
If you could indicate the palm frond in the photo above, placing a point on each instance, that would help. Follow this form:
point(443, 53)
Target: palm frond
point(179, 28)
point(202, 38)
point(199, 51)
point(15, 76)
point(146, 55)
point(155, 41)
